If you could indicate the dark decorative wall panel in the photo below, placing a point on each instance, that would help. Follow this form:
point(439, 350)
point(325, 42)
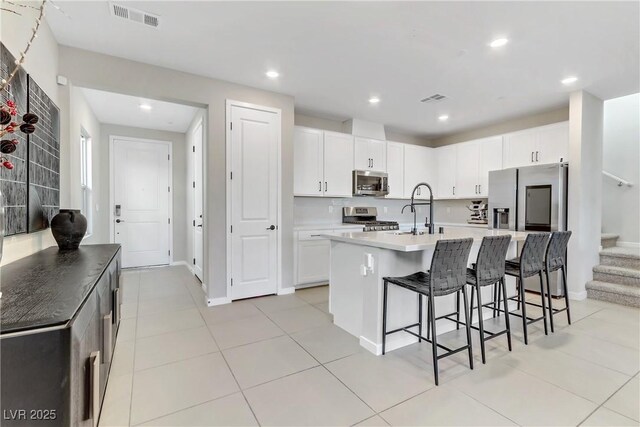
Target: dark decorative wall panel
point(13, 183)
point(32, 188)
point(44, 160)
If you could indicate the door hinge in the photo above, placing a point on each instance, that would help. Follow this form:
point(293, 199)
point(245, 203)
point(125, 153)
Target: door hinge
point(168, 220)
point(194, 148)
point(169, 189)
point(194, 222)
point(169, 251)
point(194, 261)
point(230, 125)
point(231, 282)
point(232, 228)
point(194, 184)
point(230, 175)
point(168, 156)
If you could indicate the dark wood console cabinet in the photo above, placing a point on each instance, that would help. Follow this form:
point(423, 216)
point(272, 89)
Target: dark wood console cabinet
point(59, 312)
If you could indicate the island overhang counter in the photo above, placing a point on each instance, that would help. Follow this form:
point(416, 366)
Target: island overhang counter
point(359, 261)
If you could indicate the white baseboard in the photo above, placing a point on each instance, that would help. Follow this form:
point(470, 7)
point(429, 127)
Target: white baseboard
point(634, 245)
point(174, 263)
point(578, 296)
point(286, 291)
point(218, 301)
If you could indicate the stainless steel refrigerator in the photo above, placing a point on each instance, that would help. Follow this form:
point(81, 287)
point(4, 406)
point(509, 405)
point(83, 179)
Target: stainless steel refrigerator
point(531, 198)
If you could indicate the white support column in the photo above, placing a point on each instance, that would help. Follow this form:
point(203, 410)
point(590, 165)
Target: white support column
point(585, 189)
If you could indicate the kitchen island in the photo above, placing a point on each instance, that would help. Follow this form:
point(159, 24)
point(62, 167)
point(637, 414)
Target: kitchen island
point(360, 260)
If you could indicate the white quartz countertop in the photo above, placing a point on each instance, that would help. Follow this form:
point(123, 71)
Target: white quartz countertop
point(411, 243)
point(307, 227)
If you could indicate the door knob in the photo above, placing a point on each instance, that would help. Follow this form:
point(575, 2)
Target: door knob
point(119, 221)
point(273, 227)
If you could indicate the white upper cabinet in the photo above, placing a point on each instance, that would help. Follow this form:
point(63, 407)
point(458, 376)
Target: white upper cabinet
point(370, 154)
point(553, 143)
point(323, 163)
point(338, 164)
point(546, 144)
point(395, 170)
point(490, 160)
point(419, 166)
point(467, 167)
point(446, 168)
point(308, 162)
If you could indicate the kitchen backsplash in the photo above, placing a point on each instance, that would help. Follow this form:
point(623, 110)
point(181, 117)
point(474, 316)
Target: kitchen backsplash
point(325, 210)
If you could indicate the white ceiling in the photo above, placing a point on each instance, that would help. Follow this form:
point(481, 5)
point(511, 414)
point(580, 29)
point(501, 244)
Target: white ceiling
point(333, 56)
point(118, 109)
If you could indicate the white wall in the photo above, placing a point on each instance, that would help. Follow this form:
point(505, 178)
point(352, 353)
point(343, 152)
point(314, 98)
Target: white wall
point(621, 157)
point(94, 70)
point(42, 64)
point(178, 186)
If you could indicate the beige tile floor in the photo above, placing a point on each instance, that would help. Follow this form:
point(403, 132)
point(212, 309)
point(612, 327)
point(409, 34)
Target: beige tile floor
point(279, 360)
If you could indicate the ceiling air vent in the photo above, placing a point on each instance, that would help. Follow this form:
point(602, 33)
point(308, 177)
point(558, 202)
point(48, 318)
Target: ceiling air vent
point(433, 98)
point(135, 15)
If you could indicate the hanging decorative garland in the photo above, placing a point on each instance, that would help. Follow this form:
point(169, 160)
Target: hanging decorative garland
point(8, 110)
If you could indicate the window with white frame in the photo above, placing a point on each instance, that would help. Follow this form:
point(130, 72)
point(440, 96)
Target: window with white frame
point(85, 178)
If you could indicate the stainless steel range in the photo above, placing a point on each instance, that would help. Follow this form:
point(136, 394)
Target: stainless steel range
point(367, 218)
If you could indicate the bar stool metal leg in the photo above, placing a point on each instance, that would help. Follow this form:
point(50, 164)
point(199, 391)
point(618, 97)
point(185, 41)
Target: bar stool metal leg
point(420, 317)
point(458, 310)
point(384, 316)
point(468, 325)
point(434, 340)
point(506, 311)
point(566, 292)
point(473, 291)
point(549, 300)
point(521, 303)
point(544, 308)
point(481, 325)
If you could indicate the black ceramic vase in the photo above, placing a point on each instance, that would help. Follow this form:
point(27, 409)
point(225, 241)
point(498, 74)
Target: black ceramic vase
point(68, 228)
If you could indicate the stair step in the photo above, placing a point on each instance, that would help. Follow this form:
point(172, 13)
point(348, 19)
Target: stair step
point(621, 257)
point(618, 275)
point(613, 292)
point(608, 240)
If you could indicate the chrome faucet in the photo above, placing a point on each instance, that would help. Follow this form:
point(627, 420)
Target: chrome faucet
point(413, 205)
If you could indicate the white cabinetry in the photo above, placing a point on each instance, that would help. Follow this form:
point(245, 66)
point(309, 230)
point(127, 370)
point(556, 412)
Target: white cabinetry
point(312, 257)
point(467, 167)
point(419, 166)
point(370, 154)
point(490, 160)
point(446, 158)
point(323, 163)
point(338, 164)
point(308, 162)
point(395, 170)
point(545, 144)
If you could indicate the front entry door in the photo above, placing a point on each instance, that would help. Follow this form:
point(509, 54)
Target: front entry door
point(255, 139)
point(141, 201)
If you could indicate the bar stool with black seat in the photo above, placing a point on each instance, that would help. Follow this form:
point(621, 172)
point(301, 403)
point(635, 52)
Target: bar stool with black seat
point(447, 275)
point(489, 270)
point(555, 259)
point(530, 263)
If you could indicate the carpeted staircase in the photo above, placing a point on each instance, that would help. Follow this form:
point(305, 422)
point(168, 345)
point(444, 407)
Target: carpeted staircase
point(617, 277)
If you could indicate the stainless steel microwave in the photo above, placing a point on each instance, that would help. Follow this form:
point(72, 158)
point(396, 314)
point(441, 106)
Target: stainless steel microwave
point(370, 183)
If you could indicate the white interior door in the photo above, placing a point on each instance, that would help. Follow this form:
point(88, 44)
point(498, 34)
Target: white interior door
point(141, 201)
point(255, 140)
point(198, 197)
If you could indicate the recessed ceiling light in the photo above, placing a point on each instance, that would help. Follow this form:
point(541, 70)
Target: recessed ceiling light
point(569, 80)
point(145, 107)
point(374, 100)
point(443, 118)
point(272, 74)
point(499, 42)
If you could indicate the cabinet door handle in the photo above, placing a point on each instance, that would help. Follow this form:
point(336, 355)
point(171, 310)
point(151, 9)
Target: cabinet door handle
point(107, 337)
point(454, 190)
point(372, 163)
point(320, 186)
point(537, 155)
point(325, 186)
point(532, 157)
point(479, 188)
point(116, 305)
point(94, 388)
